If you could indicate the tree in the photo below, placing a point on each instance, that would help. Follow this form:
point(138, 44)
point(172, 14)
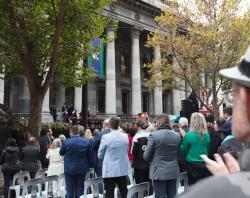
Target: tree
point(201, 37)
point(41, 39)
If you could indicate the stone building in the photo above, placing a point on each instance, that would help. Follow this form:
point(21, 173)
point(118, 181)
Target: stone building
point(121, 90)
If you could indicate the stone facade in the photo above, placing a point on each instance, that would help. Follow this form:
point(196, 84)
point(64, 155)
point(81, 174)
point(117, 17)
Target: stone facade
point(122, 90)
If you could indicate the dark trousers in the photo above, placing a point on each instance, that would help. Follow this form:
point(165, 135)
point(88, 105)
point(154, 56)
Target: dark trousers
point(98, 171)
point(32, 175)
point(164, 187)
point(74, 185)
point(196, 171)
point(8, 177)
point(141, 175)
point(109, 186)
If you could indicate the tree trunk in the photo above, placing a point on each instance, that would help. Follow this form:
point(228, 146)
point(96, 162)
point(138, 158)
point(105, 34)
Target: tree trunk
point(35, 119)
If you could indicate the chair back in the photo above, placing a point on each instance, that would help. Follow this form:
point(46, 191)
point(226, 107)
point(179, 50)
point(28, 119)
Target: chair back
point(90, 174)
point(35, 185)
point(21, 178)
point(183, 177)
point(41, 173)
point(94, 185)
point(141, 190)
point(61, 179)
point(131, 180)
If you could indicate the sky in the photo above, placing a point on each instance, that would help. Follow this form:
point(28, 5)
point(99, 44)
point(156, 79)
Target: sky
point(245, 5)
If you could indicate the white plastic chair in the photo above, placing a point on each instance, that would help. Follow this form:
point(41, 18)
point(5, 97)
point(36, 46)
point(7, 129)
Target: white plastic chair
point(41, 173)
point(139, 189)
point(18, 181)
point(182, 177)
point(93, 185)
point(91, 174)
point(35, 186)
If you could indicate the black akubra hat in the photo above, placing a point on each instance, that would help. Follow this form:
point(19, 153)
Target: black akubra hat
point(240, 73)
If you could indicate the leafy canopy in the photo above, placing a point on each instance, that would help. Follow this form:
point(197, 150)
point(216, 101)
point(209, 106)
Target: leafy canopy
point(201, 37)
point(27, 30)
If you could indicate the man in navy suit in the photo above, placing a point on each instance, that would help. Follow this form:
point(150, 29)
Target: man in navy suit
point(77, 158)
point(96, 144)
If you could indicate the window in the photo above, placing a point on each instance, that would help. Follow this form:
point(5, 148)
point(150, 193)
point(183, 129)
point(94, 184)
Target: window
point(166, 102)
point(125, 102)
point(125, 64)
point(145, 102)
point(70, 96)
point(101, 100)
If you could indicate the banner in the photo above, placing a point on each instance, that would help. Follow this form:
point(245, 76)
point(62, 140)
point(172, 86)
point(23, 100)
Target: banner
point(96, 60)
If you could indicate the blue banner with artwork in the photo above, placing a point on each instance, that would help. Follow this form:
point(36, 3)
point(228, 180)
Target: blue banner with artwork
point(96, 60)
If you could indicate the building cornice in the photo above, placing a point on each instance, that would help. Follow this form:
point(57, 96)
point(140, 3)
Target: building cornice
point(135, 17)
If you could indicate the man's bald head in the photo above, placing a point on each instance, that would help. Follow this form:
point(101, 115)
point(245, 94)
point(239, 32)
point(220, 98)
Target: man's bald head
point(32, 141)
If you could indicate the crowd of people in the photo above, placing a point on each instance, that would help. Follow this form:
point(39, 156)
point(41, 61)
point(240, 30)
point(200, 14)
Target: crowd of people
point(67, 114)
point(157, 153)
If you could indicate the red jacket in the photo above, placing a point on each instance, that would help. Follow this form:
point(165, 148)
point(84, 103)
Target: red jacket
point(130, 156)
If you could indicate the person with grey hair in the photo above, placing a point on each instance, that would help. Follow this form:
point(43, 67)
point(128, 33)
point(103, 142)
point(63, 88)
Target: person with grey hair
point(77, 160)
point(81, 130)
point(56, 161)
point(183, 123)
point(62, 137)
point(196, 143)
point(96, 144)
point(161, 152)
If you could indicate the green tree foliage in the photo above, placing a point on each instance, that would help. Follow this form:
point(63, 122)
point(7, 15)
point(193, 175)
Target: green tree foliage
point(202, 37)
point(44, 38)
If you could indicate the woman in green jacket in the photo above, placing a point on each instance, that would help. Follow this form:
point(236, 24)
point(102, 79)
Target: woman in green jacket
point(196, 143)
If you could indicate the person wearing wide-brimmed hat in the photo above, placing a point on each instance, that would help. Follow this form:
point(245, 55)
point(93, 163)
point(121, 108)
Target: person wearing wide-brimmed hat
point(226, 184)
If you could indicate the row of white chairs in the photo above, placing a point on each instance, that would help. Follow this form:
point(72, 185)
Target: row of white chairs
point(140, 190)
point(44, 186)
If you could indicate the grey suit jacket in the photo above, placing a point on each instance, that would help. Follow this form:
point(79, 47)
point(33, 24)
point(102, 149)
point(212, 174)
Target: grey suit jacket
point(162, 150)
point(113, 150)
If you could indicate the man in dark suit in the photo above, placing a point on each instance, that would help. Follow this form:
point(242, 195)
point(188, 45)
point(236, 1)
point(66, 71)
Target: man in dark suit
point(96, 144)
point(162, 151)
point(77, 159)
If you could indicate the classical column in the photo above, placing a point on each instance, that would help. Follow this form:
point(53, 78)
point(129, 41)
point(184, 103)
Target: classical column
point(23, 95)
point(60, 95)
point(158, 108)
point(78, 99)
point(2, 89)
point(46, 102)
point(110, 92)
point(46, 116)
point(136, 72)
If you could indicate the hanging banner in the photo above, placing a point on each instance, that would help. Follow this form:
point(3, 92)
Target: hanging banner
point(96, 60)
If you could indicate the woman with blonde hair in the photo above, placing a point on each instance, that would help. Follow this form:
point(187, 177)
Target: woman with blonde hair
point(196, 143)
point(56, 161)
point(88, 134)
